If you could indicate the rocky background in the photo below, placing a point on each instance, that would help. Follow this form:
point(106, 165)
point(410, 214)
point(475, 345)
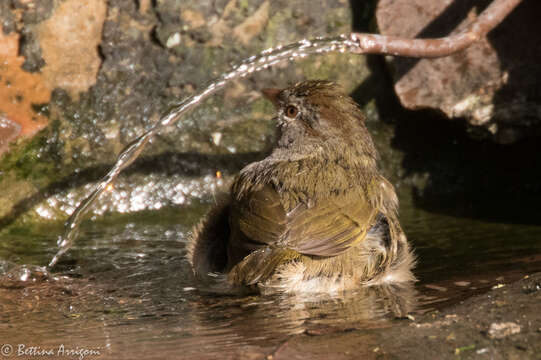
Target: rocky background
point(493, 84)
point(80, 80)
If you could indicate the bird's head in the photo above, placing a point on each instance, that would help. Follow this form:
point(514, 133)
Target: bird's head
point(317, 117)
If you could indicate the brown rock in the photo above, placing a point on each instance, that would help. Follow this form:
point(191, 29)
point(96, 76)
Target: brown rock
point(219, 28)
point(253, 25)
point(69, 42)
point(489, 83)
point(144, 6)
point(9, 130)
point(19, 91)
point(193, 18)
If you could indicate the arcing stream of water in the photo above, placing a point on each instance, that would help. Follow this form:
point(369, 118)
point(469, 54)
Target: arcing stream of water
point(354, 43)
point(251, 65)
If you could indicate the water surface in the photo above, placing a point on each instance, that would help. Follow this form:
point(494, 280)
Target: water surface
point(125, 288)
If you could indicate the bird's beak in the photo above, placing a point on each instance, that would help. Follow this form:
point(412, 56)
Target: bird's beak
point(272, 95)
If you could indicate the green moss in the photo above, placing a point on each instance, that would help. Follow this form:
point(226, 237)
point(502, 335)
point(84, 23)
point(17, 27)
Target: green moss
point(213, 58)
point(336, 67)
point(244, 5)
point(32, 229)
point(274, 30)
point(262, 106)
point(35, 159)
point(249, 134)
point(338, 20)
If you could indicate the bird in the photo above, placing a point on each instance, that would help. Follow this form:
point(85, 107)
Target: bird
point(315, 215)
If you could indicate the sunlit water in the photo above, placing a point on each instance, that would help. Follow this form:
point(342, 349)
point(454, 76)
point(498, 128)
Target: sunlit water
point(126, 289)
point(263, 60)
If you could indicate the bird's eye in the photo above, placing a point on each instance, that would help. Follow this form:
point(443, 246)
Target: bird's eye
point(291, 111)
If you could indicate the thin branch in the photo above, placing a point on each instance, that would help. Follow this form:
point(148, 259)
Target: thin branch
point(438, 47)
point(354, 43)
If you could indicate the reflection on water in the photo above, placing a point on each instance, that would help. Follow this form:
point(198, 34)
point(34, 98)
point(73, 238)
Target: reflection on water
point(126, 288)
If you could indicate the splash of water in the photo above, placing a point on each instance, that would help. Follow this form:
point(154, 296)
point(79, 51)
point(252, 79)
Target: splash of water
point(249, 66)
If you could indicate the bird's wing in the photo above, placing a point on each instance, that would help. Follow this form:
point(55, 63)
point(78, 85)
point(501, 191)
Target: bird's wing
point(259, 219)
point(331, 226)
point(327, 228)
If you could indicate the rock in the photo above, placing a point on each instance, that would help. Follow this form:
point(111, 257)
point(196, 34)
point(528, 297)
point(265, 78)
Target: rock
point(9, 130)
point(504, 329)
point(490, 84)
point(194, 19)
point(69, 45)
point(121, 64)
point(253, 25)
point(21, 91)
point(144, 6)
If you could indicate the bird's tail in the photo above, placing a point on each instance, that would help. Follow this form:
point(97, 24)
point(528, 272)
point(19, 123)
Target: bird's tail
point(260, 265)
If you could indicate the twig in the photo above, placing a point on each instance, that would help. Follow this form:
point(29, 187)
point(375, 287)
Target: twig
point(438, 47)
point(354, 43)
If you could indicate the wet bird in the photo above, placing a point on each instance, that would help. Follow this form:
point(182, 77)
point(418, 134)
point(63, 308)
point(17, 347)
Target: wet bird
point(315, 215)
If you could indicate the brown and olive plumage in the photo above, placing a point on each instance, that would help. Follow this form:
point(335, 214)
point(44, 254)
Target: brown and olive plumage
point(315, 215)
